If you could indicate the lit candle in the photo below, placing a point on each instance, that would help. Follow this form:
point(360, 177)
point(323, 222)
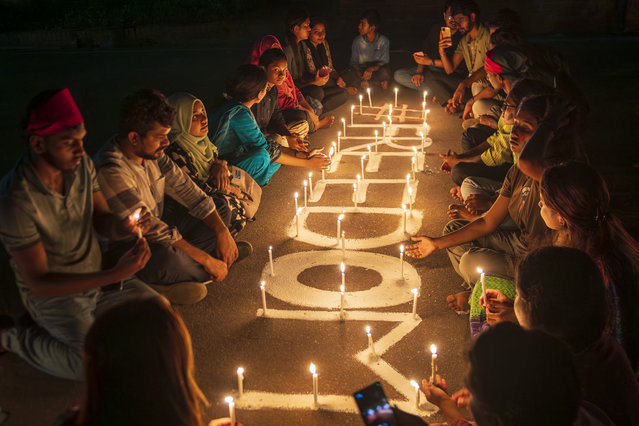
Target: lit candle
point(344, 125)
point(369, 150)
point(423, 107)
point(136, 218)
point(333, 149)
point(231, 403)
point(390, 120)
point(305, 182)
point(370, 341)
point(323, 174)
point(414, 384)
point(343, 247)
point(297, 221)
point(426, 116)
point(339, 225)
point(376, 135)
point(483, 284)
point(370, 102)
point(362, 162)
point(415, 293)
point(263, 289)
point(408, 180)
point(359, 180)
point(343, 269)
point(410, 200)
point(425, 93)
point(270, 259)
point(296, 195)
point(401, 258)
point(433, 363)
point(341, 301)
point(390, 110)
point(384, 129)
point(355, 194)
point(310, 183)
point(352, 110)
point(422, 135)
point(396, 97)
point(413, 166)
point(360, 104)
point(240, 381)
point(404, 208)
point(313, 371)
point(339, 141)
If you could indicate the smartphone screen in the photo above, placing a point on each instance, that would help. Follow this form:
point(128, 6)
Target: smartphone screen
point(374, 407)
point(445, 32)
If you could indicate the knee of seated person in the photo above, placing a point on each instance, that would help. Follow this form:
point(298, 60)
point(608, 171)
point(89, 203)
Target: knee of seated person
point(468, 264)
point(469, 187)
point(453, 226)
point(459, 173)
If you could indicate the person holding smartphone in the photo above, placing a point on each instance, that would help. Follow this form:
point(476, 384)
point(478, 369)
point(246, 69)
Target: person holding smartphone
point(428, 73)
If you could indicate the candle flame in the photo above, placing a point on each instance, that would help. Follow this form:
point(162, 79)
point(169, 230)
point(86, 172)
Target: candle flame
point(368, 329)
point(481, 271)
point(343, 120)
point(299, 210)
point(375, 133)
point(312, 369)
point(342, 234)
point(364, 156)
point(414, 291)
point(340, 132)
point(401, 248)
point(270, 248)
point(262, 284)
point(352, 107)
point(136, 216)
point(240, 370)
point(228, 400)
point(410, 190)
point(368, 90)
point(330, 153)
point(396, 89)
point(415, 151)
point(414, 384)
point(305, 183)
point(342, 267)
point(341, 289)
point(433, 349)
point(296, 195)
point(404, 207)
point(340, 217)
point(369, 148)
point(421, 134)
point(361, 97)
point(358, 177)
point(310, 174)
point(354, 187)
point(407, 177)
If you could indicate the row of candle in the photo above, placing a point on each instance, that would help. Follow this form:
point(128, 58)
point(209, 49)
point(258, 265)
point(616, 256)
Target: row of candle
point(313, 370)
point(396, 90)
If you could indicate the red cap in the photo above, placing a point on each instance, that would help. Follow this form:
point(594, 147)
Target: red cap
point(57, 113)
point(490, 65)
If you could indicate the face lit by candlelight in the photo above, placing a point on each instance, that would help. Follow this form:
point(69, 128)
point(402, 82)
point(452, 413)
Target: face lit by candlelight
point(276, 72)
point(525, 125)
point(364, 28)
point(551, 217)
point(318, 34)
point(199, 121)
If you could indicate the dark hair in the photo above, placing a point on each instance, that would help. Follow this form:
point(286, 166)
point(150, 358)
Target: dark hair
point(515, 372)
point(564, 294)
point(318, 20)
point(246, 83)
point(140, 111)
point(139, 367)
point(294, 18)
point(271, 55)
point(448, 4)
point(372, 17)
point(506, 19)
point(579, 194)
point(506, 36)
point(528, 87)
point(465, 7)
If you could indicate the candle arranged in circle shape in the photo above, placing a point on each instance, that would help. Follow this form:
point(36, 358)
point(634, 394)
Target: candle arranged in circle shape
point(426, 116)
point(433, 363)
point(240, 381)
point(482, 278)
point(414, 384)
point(410, 200)
point(339, 224)
point(401, 258)
point(305, 193)
point(343, 269)
point(352, 112)
point(370, 101)
point(229, 400)
point(263, 289)
point(371, 348)
point(413, 166)
point(360, 104)
point(415, 294)
point(396, 97)
point(313, 371)
point(270, 259)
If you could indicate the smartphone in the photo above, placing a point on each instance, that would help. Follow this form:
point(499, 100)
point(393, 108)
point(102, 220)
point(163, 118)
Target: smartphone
point(445, 32)
point(374, 407)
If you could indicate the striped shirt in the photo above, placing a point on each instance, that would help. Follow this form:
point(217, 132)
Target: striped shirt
point(128, 185)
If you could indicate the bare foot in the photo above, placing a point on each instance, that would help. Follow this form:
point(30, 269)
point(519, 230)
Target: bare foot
point(458, 302)
point(352, 90)
point(326, 122)
point(455, 192)
point(479, 203)
point(384, 84)
point(459, 211)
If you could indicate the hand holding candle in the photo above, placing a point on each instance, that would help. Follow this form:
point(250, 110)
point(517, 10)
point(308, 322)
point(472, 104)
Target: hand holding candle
point(433, 363)
point(482, 278)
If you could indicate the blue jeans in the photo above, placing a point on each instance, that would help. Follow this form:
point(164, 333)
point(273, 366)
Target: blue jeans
point(436, 81)
point(55, 343)
point(403, 77)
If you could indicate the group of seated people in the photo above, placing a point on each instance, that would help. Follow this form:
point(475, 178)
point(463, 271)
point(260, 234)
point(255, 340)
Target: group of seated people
point(553, 312)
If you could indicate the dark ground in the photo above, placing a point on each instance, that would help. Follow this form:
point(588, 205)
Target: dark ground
point(225, 331)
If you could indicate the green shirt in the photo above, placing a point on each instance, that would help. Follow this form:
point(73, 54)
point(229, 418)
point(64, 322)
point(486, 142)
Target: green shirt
point(499, 152)
point(474, 50)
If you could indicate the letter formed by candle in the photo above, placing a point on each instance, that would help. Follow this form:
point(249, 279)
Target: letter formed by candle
point(297, 221)
point(415, 294)
point(296, 195)
point(401, 259)
point(343, 247)
point(136, 218)
point(396, 90)
point(310, 184)
point(341, 301)
point(229, 400)
point(305, 182)
point(240, 382)
point(362, 161)
point(339, 141)
point(270, 259)
point(414, 384)
point(371, 348)
point(433, 363)
point(343, 269)
point(376, 135)
point(404, 209)
point(352, 112)
point(339, 225)
point(370, 101)
point(263, 289)
point(482, 278)
point(360, 104)
point(344, 125)
point(355, 194)
point(313, 371)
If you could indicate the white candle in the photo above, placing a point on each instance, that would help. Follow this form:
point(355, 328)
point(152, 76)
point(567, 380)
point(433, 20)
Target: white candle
point(297, 220)
point(390, 120)
point(384, 129)
point(410, 200)
point(333, 149)
point(343, 269)
point(407, 180)
point(296, 195)
point(401, 258)
point(390, 110)
point(343, 247)
point(136, 218)
point(415, 293)
point(240, 382)
point(362, 162)
point(370, 341)
point(310, 184)
point(305, 182)
point(344, 125)
point(313, 371)
point(359, 180)
point(339, 225)
point(414, 384)
point(360, 104)
point(433, 363)
point(404, 208)
point(270, 259)
point(425, 93)
point(483, 284)
point(323, 175)
point(413, 166)
point(263, 289)
point(426, 116)
point(370, 101)
point(231, 403)
point(396, 97)
point(355, 194)
point(422, 135)
point(369, 151)
point(352, 111)
point(376, 140)
point(341, 301)
point(339, 141)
